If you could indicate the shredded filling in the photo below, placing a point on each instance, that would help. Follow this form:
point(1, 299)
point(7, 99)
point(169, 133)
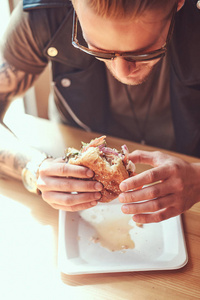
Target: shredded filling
point(111, 155)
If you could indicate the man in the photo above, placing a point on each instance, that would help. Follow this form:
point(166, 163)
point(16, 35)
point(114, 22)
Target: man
point(148, 92)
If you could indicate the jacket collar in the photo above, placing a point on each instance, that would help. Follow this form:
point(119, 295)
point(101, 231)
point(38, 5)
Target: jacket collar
point(34, 4)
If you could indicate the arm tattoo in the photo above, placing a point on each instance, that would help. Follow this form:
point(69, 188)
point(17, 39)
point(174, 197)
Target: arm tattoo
point(5, 69)
point(19, 162)
point(14, 82)
point(3, 156)
point(11, 165)
point(7, 74)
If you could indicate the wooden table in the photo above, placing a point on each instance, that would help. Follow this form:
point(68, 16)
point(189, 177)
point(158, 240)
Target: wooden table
point(29, 237)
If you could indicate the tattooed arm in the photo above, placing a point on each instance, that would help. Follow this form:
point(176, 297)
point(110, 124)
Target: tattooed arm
point(13, 154)
point(12, 83)
point(56, 179)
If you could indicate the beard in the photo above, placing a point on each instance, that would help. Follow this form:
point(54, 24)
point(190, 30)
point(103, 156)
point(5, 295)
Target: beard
point(138, 76)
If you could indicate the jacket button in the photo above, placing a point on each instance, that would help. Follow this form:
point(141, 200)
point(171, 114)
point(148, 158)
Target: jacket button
point(198, 4)
point(66, 82)
point(52, 51)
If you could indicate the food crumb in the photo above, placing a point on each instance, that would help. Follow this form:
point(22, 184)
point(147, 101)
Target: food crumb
point(94, 239)
point(139, 225)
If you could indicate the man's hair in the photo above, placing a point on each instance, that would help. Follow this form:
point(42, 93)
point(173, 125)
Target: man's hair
point(126, 8)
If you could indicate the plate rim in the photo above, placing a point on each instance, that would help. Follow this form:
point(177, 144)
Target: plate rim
point(65, 266)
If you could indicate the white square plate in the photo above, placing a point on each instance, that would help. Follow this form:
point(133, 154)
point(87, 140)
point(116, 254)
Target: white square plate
point(159, 246)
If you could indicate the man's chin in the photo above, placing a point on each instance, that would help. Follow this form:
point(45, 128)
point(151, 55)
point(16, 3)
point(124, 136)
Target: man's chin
point(134, 79)
point(131, 80)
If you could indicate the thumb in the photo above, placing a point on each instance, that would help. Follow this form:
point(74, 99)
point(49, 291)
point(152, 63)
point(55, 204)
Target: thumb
point(145, 157)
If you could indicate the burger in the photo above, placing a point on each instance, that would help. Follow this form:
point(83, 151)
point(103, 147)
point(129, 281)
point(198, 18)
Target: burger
point(109, 165)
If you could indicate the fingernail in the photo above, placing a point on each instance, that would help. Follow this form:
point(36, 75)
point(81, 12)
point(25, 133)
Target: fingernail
point(97, 196)
point(93, 203)
point(121, 198)
point(125, 209)
point(123, 187)
point(89, 173)
point(98, 186)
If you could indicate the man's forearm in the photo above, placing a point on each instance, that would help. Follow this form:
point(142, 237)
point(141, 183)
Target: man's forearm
point(13, 82)
point(10, 166)
point(14, 154)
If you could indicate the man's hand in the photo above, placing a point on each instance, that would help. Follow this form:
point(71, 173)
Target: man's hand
point(68, 187)
point(175, 189)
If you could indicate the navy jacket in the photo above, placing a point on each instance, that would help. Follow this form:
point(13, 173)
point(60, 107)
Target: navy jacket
point(86, 98)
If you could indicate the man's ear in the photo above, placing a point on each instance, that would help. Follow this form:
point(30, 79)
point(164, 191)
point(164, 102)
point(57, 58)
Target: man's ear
point(180, 4)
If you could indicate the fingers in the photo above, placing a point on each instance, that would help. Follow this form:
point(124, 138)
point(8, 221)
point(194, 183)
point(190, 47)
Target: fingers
point(71, 202)
point(156, 217)
point(75, 207)
point(153, 158)
point(153, 203)
point(149, 192)
point(62, 169)
point(172, 183)
point(70, 199)
point(68, 185)
point(165, 166)
point(147, 177)
point(148, 206)
point(152, 211)
point(70, 194)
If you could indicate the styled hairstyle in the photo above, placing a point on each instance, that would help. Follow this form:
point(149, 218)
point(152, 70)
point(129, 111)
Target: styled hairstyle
point(126, 8)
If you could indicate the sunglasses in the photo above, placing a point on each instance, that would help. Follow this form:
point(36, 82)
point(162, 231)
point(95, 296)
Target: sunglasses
point(129, 56)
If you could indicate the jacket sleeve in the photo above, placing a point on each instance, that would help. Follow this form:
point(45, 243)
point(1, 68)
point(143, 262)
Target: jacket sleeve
point(19, 46)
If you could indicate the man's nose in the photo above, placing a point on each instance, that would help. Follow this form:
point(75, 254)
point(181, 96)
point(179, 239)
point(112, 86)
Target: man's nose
point(123, 67)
